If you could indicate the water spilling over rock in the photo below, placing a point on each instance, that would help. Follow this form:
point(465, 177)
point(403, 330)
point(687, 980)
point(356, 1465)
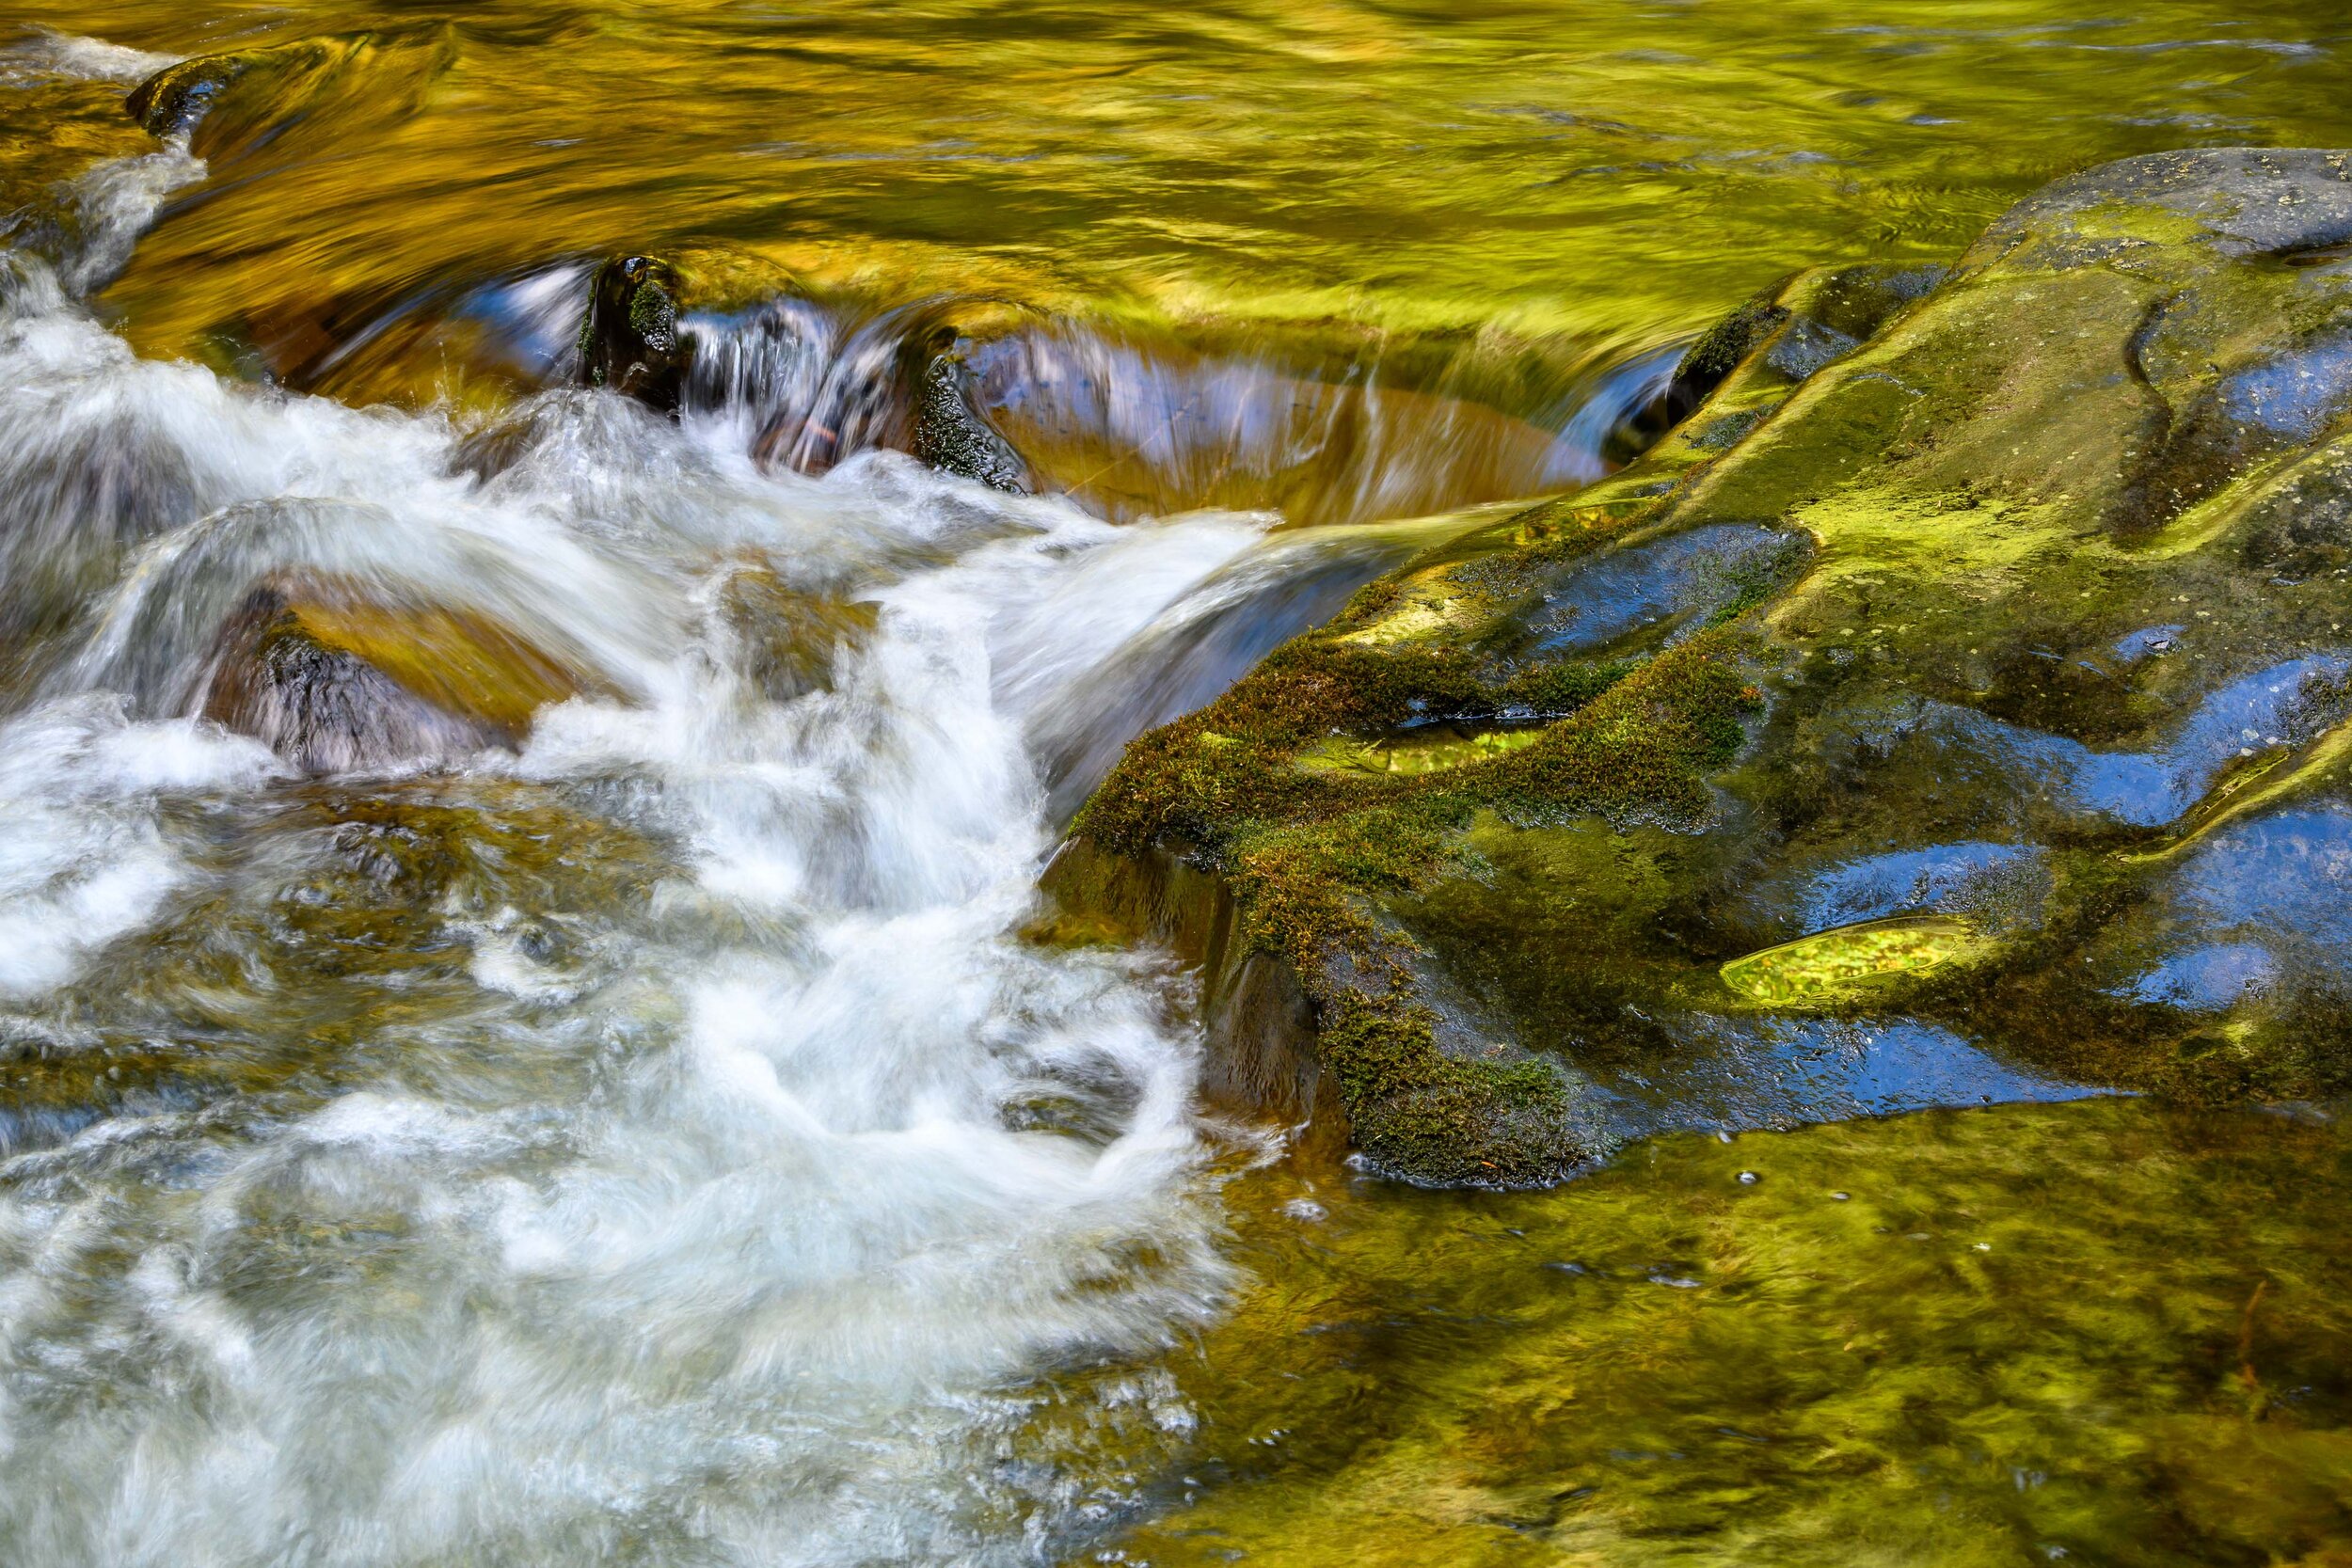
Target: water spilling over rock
point(563, 572)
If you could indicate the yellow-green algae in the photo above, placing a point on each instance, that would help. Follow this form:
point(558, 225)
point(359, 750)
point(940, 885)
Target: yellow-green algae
point(1829, 964)
point(1433, 753)
point(2107, 1332)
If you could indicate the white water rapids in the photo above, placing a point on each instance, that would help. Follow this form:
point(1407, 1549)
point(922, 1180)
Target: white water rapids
point(767, 1200)
point(718, 1238)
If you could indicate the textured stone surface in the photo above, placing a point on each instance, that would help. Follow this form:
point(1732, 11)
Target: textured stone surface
point(2019, 604)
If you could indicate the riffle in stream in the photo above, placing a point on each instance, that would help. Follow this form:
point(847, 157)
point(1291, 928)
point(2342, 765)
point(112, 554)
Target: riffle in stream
point(666, 1138)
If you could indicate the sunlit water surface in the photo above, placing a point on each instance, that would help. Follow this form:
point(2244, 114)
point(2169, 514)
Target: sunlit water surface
point(660, 1143)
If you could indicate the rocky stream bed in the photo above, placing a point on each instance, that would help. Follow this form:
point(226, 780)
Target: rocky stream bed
point(657, 912)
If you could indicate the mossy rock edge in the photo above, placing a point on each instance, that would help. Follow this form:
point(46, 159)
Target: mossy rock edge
point(2004, 601)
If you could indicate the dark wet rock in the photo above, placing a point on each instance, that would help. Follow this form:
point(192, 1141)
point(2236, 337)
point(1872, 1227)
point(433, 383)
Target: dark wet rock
point(1955, 704)
point(334, 677)
point(2298, 524)
point(631, 340)
point(951, 436)
point(650, 318)
point(235, 102)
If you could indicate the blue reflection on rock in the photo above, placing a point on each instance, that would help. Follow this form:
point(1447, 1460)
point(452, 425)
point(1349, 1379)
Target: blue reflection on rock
point(2140, 790)
point(1675, 582)
point(2288, 877)
point(2134, 646)
point(1951, 878)
point(1780, 1071)
point(2207, 980)
point(2149, 789)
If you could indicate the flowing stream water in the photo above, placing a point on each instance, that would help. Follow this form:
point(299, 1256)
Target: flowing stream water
point(664, 1141)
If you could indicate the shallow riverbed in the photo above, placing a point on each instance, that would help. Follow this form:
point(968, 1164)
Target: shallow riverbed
point(671, 1139)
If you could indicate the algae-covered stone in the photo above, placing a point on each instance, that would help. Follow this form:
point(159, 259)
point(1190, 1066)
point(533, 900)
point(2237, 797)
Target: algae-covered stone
point(1937, 673)
point(1449, 747)
point(336, 678)
point(1841, 962)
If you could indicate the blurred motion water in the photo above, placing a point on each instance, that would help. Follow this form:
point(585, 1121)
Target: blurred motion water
point(645, 1133)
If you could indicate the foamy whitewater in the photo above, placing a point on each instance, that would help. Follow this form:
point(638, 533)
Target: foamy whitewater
point(718, 1225)
point(657, 1146)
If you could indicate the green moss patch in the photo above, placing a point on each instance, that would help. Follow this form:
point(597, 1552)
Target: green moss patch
point(1317, 828)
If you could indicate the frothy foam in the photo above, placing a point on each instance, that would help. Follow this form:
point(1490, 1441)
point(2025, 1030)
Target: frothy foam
point(728, 1219)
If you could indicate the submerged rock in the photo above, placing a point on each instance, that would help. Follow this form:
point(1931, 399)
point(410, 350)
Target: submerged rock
point(1840, 1347)
point(334, 678)
point(2001, 608)
point(787, 641)
point(238, 101)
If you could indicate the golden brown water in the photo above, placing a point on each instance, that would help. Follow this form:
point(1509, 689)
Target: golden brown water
point(653, 1143)
point(2099, 1332)
point(1619, 172)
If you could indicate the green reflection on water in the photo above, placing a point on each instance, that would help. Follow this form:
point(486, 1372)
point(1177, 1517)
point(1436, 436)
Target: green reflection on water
point(2105, 1331)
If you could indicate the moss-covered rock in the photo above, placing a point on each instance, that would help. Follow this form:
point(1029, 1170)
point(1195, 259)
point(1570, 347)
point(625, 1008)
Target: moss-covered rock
point(639, 334)
point(2008, 610)
point(335, 677)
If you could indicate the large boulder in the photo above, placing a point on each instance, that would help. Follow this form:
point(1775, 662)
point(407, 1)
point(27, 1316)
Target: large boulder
point(1950, 708)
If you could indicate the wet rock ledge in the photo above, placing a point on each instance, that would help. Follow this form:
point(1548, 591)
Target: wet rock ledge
point(1952, 706)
